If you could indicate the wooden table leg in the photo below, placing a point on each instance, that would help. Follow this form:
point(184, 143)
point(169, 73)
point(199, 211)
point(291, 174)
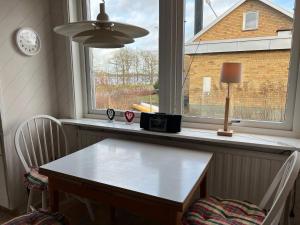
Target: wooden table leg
point(174, 219)
point(112, 211)
point(203, 187)
point(53, 197)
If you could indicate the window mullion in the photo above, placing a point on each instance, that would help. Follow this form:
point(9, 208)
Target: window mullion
point(171, 55)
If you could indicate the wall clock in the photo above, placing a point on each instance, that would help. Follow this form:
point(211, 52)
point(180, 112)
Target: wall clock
point(28, 41)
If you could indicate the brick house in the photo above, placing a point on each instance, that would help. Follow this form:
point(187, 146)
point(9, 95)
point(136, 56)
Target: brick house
point(256, 33)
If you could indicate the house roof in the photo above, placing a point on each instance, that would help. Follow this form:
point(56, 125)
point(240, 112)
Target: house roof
point(239, 45)
point(269, 3)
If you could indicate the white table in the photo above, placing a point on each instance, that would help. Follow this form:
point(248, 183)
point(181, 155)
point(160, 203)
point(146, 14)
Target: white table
point(152, 180)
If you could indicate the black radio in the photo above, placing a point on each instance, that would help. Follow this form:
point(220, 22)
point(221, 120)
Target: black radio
point(161, 122)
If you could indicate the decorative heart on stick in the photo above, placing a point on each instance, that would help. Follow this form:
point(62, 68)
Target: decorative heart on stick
point(129, 116)
point(110, 114)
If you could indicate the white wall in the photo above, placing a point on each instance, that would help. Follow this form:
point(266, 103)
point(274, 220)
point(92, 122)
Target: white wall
point(27, 83)
point(64, 80)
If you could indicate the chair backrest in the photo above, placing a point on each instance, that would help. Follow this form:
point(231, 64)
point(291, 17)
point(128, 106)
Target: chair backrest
point(39, 140)
point(280, 188)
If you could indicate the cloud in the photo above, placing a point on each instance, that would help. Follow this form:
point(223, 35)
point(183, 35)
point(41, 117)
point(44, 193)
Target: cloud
point(145, 13)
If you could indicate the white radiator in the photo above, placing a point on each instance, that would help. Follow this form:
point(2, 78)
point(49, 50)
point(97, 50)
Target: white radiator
point(242, 175)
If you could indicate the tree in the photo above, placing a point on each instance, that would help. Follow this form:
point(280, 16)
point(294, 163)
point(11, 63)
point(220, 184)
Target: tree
point(122, 62)
point(150, 65)
point(137, 66)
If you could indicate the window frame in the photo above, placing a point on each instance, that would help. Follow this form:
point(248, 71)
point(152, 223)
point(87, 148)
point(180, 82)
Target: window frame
point(90, 108)
point(171, 53)
point(245, 18)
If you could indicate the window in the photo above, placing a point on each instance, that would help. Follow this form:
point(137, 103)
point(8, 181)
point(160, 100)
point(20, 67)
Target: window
point(127, 78)
point(263, 95)
point(145, 77)
point(206, 85)
point(250, 21)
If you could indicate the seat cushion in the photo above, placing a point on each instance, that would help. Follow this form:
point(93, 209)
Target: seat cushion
point(39, 218)
point(35, 180)
point(214, 210)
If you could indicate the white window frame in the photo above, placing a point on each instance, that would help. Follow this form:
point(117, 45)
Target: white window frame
point(207, 80)
point(171, 49)
point(245, 17)
point(169, 54)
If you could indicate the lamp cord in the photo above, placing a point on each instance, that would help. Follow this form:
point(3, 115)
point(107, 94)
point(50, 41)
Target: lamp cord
point(190, 66)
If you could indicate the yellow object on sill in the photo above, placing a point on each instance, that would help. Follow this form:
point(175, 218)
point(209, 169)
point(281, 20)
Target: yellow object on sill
point(143, 108)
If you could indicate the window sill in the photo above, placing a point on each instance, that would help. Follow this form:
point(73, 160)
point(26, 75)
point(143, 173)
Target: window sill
point(263, 143)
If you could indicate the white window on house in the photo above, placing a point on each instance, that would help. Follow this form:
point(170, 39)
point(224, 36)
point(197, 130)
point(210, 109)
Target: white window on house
point(284, 33)
point(206, 85)
point(250, 20)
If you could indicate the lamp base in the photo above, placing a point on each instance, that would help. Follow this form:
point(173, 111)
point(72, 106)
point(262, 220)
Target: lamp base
point(227, 133)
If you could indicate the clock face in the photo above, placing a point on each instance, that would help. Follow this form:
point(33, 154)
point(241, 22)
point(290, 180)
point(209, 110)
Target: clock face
point(28, 41)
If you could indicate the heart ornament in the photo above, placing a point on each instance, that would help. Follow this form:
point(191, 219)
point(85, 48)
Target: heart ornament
point(129, 116)
point(110, 114)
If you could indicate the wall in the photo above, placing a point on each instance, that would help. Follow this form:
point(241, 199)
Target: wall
point(258, 89)
point(27, 83)
point(231, 27)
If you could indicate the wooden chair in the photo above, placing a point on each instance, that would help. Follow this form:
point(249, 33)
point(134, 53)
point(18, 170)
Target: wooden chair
point(38, 141)
point(228, 211)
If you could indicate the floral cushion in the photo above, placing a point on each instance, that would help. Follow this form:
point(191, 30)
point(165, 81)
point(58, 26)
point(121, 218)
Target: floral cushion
point(39, 218)
point(35, 180)
point(212, 210)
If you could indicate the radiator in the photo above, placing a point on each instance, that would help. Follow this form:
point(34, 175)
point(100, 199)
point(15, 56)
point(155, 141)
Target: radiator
point(242, 175)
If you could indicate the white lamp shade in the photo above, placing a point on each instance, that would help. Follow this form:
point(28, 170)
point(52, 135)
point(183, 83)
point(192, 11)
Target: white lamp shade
point(231, 72)
point(71, 29)
point(103, 36)
point(101, 33)
point(94, 42)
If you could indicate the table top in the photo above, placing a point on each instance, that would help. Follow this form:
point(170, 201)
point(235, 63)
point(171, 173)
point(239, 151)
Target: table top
point(163, 172)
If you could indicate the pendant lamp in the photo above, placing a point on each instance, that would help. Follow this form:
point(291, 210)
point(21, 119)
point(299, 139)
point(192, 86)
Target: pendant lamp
point(101, 33)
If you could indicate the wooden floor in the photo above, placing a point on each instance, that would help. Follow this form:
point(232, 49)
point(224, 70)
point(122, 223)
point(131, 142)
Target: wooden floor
point(5, 216)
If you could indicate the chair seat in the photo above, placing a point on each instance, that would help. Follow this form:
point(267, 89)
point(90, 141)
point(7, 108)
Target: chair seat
point(36, 181)
point(39, 218)
point(214, 210)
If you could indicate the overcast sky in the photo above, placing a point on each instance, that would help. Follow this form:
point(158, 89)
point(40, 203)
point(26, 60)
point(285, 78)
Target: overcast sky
point(145, 13)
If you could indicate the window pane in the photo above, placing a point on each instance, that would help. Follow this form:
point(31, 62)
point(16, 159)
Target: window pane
point(263, 52)
point(127, 78)
point(251, 20)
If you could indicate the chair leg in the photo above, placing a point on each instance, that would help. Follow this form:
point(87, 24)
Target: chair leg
point(90, 210)
point(44, 200)
point(29, 200)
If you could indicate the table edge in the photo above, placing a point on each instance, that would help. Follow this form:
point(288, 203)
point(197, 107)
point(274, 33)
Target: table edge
point(116, 190)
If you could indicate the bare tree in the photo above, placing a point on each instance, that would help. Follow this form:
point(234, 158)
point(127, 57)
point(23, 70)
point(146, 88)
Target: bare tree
point(123, 63)
point(137, 66)
point(150, 65)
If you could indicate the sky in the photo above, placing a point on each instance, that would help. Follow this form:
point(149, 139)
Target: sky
point(145, 13)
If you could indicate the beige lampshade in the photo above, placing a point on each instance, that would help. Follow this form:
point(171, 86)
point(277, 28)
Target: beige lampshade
point(101, 33)
point(231, 72)
point(103, 39)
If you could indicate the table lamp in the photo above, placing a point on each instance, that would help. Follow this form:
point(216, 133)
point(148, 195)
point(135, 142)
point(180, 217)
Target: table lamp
point(231, 73)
